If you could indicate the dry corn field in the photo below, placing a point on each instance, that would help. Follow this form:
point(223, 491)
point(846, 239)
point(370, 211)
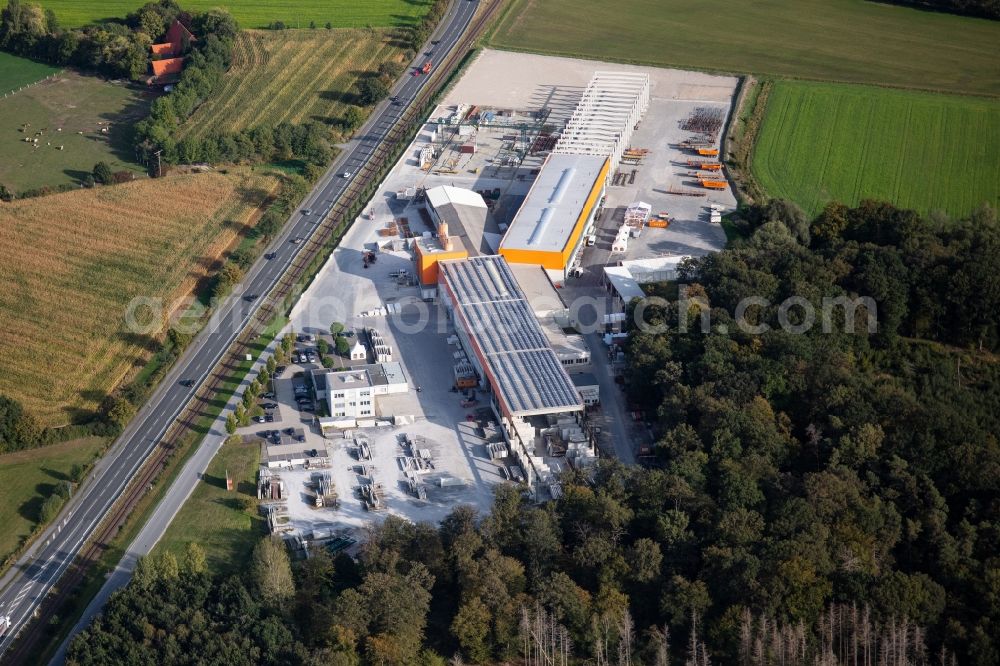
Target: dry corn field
point(291, 75)
point(80, 259)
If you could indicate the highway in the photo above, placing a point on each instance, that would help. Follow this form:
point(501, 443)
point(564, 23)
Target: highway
point(35, 573)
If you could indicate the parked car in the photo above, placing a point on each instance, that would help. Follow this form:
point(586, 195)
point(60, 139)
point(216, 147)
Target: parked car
point(280, 369)
point(289, 431)
point(259, 419)
point(307, 408)
point(269, 395)
point(270, 405)
point(269, 417)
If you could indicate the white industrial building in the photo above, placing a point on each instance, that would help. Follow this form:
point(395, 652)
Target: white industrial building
point(558, 212)
point(463, 210)
point(350, 394)
point(607, 114)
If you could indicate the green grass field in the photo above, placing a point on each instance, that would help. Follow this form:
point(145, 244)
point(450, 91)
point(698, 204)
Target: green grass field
point(291, 75)
point(28, 477)
point(832, 40)
point(82, 106)
point(16, 72)
point(258, 13)
point(211, 516)
point(917, 150)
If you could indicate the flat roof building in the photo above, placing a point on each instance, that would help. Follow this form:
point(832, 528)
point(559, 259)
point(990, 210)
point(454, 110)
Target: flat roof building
point(495, 324)
point(350, 394)
point(559, 209)
point(430, 250)
point(499, 329)
point(553, 316)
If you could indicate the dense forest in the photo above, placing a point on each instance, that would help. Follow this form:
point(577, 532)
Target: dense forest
point(824, 497)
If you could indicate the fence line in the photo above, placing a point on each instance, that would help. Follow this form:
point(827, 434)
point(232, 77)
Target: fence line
point(33, 83)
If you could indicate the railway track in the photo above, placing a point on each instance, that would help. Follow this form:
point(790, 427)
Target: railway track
point(277, 301)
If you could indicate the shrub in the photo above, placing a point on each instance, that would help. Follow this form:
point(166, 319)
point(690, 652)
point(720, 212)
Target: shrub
point(103, 173)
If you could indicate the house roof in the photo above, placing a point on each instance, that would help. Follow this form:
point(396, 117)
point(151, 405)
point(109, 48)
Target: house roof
point(177, 33)
point(167, 66)
point(165, 49)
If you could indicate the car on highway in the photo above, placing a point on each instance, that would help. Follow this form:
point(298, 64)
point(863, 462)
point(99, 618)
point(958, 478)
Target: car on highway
point(346, 174)
point(298, 240)
point(307, 211)
point(250, 298)
point(270, 255)
point(187, 383)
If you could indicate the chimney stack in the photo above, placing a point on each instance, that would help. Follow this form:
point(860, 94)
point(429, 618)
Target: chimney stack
point(443, 236)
